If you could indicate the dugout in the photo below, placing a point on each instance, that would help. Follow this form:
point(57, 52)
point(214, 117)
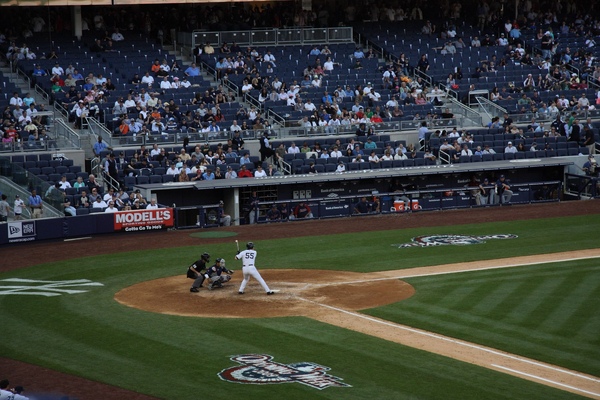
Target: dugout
point(435, 186)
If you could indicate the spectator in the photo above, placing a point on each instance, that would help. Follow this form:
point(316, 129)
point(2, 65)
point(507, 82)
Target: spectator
point(4, 209)
point(99, 203)
point(510, 148)
point(244, 173)
point(36, 205)
point(230, 174)
point(260, 172)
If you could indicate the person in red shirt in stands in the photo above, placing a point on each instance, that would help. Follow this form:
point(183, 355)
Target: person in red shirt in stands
point(244, 173)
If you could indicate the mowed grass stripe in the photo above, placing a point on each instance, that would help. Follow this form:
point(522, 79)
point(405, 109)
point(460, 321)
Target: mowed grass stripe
point(569, 304)
point(535, 326)
point(532, 303)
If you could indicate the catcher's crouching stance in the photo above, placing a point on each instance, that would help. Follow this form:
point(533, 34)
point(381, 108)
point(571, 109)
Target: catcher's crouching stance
point(218, 274)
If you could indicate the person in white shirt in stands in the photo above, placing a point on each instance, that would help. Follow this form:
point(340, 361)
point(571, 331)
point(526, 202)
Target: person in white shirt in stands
point(328, 65)
point(260, 172)
point(58, 70)
point(510, 148)
point(185, 83)
point(340, 168)
point(466, 151)
point(147, 79)
point(247, 86)
point(111, 207)
point(335, 152)
point(172, 170)
point(165, 84)
point(269, 58)
point(309, 105)
point(117, 36)
point(293, 149)
point(64, 183)
point(99, 203)
point(153, 205)
point(235, 127)
point(16, 100)
point(155, 151)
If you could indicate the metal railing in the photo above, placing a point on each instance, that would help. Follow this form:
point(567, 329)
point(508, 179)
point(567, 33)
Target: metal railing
point(23, 182)
point(272, 37)
point(490, 108)
point(70, 138)
point(582, 186)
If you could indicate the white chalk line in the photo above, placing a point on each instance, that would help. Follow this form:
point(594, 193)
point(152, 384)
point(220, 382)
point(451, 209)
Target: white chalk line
point(546, 380)
point(416, 275)
point(451, 340)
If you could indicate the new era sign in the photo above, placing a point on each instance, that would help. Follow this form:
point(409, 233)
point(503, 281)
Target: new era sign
point(21, 231)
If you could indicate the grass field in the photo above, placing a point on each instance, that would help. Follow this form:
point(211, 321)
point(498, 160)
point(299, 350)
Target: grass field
point(546, 312)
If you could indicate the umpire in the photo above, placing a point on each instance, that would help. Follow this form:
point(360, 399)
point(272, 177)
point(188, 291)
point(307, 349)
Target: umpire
point(198, 272)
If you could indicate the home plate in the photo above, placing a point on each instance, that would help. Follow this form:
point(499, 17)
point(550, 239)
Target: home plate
point(276, 291)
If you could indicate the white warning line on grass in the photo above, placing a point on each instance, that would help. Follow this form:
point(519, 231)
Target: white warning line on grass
point(545, 380)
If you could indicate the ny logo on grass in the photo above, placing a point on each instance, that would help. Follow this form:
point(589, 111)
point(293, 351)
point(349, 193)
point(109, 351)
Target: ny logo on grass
point(32, 287)
point(258, 369)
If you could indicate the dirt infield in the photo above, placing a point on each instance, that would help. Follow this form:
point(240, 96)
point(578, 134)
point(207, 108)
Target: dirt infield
point(336, 305)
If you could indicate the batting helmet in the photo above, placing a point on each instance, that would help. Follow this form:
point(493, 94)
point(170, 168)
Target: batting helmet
point(205, 256)
point(249, 245)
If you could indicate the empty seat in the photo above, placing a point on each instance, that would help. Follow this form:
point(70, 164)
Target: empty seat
point(83, 211)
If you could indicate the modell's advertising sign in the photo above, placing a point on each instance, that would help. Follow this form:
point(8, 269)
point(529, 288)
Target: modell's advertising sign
point(143, 220)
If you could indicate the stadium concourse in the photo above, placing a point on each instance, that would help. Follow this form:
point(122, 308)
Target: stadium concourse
point(42, 380)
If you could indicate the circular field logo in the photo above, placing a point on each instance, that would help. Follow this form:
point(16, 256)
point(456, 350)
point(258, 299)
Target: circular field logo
point(457, 240)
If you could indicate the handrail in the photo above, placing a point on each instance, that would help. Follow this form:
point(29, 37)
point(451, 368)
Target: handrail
point(467, 112)
point(99, 129)
point(487, 106)
point(67, 133)
point(275, 36)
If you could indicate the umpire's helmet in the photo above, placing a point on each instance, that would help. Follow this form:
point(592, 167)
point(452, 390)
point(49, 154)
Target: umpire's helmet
point(249, 245)
point(205, 256)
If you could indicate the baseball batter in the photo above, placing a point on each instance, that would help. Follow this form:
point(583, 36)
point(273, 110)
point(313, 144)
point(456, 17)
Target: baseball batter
point(197, 272)
point(248, 258)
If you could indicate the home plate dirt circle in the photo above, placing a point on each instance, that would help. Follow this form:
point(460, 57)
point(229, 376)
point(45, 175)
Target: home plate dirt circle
point(295, 292)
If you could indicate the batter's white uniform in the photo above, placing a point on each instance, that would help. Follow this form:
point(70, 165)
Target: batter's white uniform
point(248, 258)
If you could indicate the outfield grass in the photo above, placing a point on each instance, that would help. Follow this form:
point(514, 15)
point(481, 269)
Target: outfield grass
point(93, 336)
point(546, 312)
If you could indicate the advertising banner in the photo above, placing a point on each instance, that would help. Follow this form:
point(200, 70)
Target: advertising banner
point(21, 231)
point(143, 220)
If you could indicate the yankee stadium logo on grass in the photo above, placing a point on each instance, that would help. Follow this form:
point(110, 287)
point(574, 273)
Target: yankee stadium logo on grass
point(458, 240)
point(258, 369)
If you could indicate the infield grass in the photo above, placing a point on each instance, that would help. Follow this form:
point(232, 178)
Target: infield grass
point(91, 335)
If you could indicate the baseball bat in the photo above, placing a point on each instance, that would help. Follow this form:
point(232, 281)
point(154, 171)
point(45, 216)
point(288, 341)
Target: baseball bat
point(237, 245)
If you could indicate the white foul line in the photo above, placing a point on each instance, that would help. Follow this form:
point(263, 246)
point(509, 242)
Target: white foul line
point(545, 380)
point(416, 275)
point(448, 339)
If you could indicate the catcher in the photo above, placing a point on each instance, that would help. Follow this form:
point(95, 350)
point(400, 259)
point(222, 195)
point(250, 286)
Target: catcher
point(198, 272)
point(218, 274)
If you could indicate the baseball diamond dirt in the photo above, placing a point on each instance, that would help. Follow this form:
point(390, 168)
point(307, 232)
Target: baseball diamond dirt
point(332, 303)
